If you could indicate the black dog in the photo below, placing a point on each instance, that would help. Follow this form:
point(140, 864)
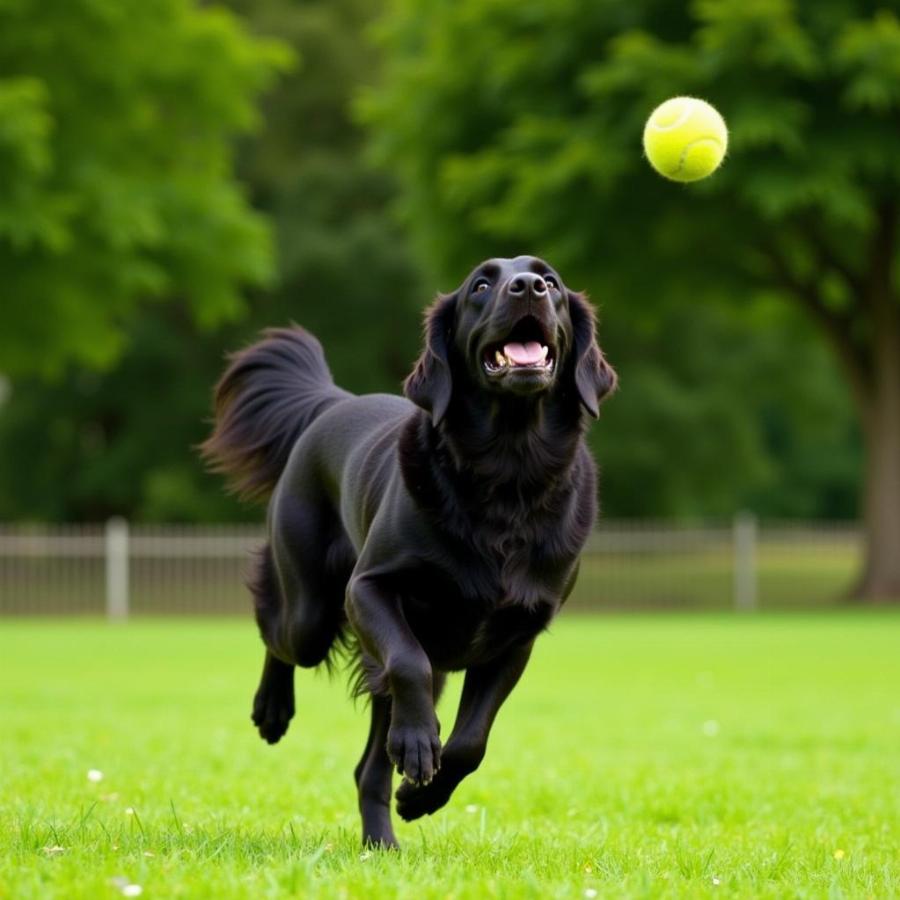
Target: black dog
point(444, 531)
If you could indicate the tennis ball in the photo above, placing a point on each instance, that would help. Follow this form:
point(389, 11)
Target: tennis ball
point(685, 139)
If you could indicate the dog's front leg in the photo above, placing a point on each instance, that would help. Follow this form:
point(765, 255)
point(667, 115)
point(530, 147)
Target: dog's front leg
point(374, 611)
point(484, 690)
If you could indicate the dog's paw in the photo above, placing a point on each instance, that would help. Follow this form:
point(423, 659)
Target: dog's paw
point(460, 758)
point(381, 839)
point(414, 801)
point(415, 751)
point(272, 713)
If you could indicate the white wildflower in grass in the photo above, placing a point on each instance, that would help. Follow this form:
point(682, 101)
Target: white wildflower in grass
point(590, 892)
point(94, 775)
point(710, 728)
point(129, 811)
point(364, 855)
point(472, 808)
point(126, 887)
point(716, 880)
point(53, 851)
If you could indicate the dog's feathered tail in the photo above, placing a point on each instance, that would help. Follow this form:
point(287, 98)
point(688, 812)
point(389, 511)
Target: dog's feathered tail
point(270, 393)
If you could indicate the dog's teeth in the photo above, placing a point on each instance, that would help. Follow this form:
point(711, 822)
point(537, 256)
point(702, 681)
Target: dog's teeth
point(501, 359)
point(544, 351)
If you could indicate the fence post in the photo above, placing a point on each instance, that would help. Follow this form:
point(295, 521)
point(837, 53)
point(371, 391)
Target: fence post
point(745, 576)
point(117, 569)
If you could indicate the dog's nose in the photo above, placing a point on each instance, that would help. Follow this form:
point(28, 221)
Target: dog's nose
point(527, 285)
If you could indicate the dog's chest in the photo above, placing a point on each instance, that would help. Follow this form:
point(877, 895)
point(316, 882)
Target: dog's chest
point(497, 599)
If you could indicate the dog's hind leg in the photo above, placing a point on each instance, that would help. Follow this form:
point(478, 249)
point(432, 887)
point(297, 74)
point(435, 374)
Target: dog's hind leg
point(312, 562)
point(273, 705)
point(298, 586)
point(373, 777)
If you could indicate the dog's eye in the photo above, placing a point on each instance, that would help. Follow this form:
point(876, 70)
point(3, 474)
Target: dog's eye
point(551, 282)
point(480, 286)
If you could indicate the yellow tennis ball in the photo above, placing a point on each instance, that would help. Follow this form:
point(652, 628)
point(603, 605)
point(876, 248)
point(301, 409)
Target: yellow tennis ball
point(685, 139)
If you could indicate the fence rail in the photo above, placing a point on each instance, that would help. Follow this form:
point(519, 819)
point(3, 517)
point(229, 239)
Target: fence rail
point(117, 570)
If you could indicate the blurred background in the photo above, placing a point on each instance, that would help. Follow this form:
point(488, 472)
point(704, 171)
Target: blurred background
point(176, 175)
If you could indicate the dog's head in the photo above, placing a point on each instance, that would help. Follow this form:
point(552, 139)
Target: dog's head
point(512, 328)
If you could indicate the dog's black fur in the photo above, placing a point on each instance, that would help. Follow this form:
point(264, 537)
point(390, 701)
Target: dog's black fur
point(444, 533)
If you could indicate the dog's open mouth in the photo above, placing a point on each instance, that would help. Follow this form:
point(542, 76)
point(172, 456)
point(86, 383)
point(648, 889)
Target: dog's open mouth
point(527, 348)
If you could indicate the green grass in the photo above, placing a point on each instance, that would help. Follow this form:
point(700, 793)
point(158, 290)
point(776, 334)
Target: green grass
point(703, 756)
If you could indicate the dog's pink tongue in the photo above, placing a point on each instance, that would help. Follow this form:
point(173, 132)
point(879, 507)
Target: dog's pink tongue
point(523, 354)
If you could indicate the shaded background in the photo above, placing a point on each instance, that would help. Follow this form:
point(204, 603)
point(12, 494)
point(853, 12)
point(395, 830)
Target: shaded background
point(176, 176)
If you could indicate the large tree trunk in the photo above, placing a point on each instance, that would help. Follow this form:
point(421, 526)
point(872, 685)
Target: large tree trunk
point(880, 579)
point(866, 338)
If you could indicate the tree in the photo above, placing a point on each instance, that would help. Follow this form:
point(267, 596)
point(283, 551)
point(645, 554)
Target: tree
point(519, 121)
point(119, 440)
point(116, 127)
point(92, 443)
point(346, 270)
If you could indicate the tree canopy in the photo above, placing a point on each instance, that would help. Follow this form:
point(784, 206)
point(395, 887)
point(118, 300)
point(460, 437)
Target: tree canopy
point(117, 121)
point(517, 123)
point(727, 401)
point(117, 438)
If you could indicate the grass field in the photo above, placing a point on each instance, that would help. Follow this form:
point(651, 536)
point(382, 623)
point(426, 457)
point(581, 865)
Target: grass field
point(700, 756)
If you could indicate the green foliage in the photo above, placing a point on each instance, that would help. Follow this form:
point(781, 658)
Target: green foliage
point(120, 440)
point(521, 121)
point(511, 127)
point(116, 120)
point(516, 125)
point(345, 269)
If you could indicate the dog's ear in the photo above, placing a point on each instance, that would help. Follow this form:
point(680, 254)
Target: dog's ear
point(594, 376)
point(430, 384)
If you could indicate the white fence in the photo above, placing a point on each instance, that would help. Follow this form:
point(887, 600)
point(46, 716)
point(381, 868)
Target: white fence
point(118, 571)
